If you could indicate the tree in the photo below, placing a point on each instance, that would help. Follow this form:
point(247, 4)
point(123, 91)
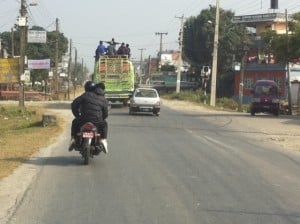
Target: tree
point(284, 48)
point(168, 68)
point(198, 44)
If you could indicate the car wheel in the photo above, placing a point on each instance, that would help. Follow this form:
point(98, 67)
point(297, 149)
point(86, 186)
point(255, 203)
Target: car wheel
point(125, 103)
point(276, 113)
point(252, 112)
point(130, 111)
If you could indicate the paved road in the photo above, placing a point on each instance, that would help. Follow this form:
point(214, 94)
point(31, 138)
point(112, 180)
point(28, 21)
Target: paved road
point(181, 167)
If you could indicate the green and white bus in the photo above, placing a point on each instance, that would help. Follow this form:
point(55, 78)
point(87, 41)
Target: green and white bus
point(117, 73)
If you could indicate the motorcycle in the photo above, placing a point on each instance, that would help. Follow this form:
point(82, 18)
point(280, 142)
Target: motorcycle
point(88, 137)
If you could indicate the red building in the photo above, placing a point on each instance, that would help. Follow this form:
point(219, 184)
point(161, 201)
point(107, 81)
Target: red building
point(254, 72)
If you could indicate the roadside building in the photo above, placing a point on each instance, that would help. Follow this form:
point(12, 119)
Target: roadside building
point(254, 72)
point(258, 65)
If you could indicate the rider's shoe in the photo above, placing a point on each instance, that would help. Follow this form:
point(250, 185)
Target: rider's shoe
point(98, 149)
point(104, 142)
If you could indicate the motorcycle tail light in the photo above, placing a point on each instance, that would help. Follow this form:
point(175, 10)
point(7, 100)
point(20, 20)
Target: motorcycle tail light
point(88, 127)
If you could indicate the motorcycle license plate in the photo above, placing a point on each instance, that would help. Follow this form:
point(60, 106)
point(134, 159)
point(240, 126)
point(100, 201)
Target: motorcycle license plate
point(87, 134)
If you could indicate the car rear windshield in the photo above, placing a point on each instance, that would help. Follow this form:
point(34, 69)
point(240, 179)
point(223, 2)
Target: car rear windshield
point(149, 93)
point(266, 90)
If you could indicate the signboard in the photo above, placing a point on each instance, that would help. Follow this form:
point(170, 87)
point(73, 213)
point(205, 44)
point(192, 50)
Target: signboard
point(9, 70)
point(39, 64)
point(35, 36)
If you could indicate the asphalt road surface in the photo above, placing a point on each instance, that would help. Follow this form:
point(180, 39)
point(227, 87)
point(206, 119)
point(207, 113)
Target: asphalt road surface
point(178, 168)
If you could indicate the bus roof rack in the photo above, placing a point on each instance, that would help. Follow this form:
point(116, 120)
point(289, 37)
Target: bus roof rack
point(118, 56)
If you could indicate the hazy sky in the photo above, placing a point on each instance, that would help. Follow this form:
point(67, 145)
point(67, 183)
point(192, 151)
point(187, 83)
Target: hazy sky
point(132, 21)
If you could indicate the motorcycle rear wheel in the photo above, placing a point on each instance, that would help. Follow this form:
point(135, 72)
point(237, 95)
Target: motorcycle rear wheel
point(86, 153)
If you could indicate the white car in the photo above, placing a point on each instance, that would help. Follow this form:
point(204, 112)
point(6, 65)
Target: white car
point(145, 100)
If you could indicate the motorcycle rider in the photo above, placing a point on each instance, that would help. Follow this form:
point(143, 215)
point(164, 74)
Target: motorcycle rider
point(91, 106)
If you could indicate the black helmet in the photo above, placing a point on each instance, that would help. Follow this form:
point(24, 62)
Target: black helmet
point(100, 85)
point(89, 86)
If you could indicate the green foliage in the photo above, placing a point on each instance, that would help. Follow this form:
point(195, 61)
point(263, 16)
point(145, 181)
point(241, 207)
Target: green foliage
point(37, 50)
point(192, 96)
point(227, 103)
point(277, 44)
point(168, 68)
point(13, 111)
point(14, 118)
point(198, 45)
point(199, 35)
point(200, 98)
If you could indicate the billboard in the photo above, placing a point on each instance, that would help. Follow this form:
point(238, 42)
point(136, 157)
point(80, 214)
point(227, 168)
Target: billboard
point(35, 36)
point(39, 64)
point(9, 70)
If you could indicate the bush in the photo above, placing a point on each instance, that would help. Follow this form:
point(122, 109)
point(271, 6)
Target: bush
point(199, 97)
point(227, 103)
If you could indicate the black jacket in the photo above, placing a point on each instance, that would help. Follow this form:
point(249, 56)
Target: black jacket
point(91, 106)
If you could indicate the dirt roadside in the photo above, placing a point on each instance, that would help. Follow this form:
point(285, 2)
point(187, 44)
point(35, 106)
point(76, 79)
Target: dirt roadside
point(13, 187)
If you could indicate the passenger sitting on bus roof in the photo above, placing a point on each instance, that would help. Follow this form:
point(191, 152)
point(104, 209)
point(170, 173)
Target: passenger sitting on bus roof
point(101, 50)
point(122, 49)
point(127, 50)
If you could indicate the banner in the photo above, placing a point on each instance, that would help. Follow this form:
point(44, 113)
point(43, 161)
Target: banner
point(39, 64)
point(9, 70)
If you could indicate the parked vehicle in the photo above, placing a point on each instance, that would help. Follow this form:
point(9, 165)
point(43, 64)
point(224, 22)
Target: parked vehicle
point(145, 100)
point(265, 97)
point(87, 142)
point(117, 73)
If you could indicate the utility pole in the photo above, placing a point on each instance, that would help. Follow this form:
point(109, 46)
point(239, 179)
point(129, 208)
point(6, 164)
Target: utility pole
point(160, 46)
point(149, 66)
point(82, 71)
point(215, 58)
point(56, 76)
point(241, 86)
point(75, 72)
point(179, 55)
point(12, 43)
point(141, 58)
point(288, 65)
point(141, 61)
point(69, 68)
point(22, 26)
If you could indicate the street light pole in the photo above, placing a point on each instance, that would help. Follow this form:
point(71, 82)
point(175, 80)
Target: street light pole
point(69, 68)
point(288, 65)
point(141, 61)
point(56, 76)
point(75, 73)
point(160, 47)
point(179, 56)
point(215, 58)
point(241, 86)
point(22, 26)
